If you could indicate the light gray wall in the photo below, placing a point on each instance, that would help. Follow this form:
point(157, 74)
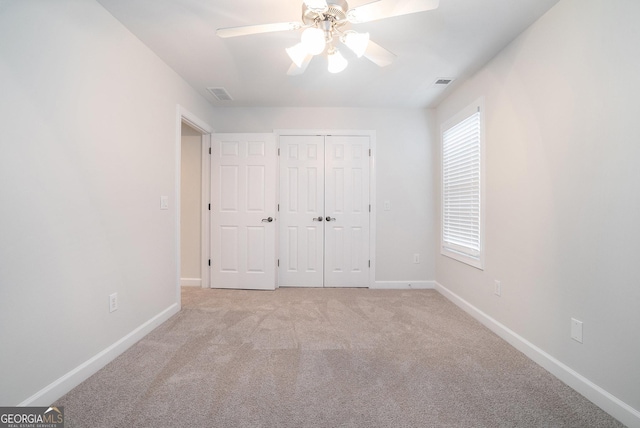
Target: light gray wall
point(562, 190)
point(88, 135)
point(190, 204)
point(404, 174)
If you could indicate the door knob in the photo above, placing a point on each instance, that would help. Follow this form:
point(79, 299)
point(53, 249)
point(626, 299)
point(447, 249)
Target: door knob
point(267, 220)
point(317, 219)
point(330, 219)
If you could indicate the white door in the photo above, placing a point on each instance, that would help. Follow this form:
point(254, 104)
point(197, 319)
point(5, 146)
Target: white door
point(301, 211)
point(243, 210)
point(324, 211)
point(346, 211)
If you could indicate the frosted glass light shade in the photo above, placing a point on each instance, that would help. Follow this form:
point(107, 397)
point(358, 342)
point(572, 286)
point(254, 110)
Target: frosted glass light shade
point(337, 63)
point(313, 40)
point(357, 42)
point(297, 54)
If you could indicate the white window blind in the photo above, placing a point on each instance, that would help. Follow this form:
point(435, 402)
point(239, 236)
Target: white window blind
point(461, 175)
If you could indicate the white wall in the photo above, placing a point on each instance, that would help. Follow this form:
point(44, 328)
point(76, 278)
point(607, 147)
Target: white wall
point(88, 146)
point(562, 196)
point(190, 206)
point(404, 174)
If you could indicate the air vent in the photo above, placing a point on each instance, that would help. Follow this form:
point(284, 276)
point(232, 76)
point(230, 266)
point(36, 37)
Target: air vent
point(221, 94)
point(444, 81)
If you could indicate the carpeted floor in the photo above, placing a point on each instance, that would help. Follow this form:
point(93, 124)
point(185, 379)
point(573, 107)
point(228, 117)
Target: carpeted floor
point(324, 358)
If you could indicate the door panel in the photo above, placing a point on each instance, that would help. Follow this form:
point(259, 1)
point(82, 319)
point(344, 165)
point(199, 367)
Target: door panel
point(347, 207)
point(301, 207)
point(243, 193)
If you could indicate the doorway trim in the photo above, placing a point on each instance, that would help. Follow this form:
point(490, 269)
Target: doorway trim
point(372, 181)
point(184, 115)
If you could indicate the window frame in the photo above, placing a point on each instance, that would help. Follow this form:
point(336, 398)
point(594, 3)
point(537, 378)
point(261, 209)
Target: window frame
point(446, 249)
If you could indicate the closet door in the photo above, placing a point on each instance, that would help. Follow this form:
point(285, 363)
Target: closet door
point(243, 211)
point(324, 211)
point(301, 211)
point(346, 211)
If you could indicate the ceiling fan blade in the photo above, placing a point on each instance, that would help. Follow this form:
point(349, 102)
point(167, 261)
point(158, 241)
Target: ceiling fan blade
point(380, 9)
point(379, 55)
point(257, 29)
point(294, 70)
point(317, 5)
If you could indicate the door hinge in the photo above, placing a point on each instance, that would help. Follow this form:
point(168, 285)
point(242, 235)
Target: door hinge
point(209, 150)
point(278, 262)
point(209, 262)
point(278, 207)
point(369, 207)
point(369, 263)
point(210, 207)
point(369, 152)
point(278, 151)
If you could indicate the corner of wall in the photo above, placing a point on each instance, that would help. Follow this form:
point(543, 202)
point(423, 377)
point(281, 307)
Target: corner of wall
point(600, 397)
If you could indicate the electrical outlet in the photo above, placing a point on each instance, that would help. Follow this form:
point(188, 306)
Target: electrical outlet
point(387, 205)
point(113, 302)
point(416, 258)
point(497, 288)
point(576, 330)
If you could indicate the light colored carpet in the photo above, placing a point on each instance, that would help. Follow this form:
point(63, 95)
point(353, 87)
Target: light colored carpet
point(324, 358)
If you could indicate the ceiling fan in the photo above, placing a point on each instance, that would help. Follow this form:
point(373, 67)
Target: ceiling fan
point(325, 22)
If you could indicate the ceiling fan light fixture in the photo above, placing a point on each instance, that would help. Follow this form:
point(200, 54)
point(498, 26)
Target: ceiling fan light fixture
point(357, 42)
point(297, 54)
point(313, 40)
point(337, 62)
point(324, 22)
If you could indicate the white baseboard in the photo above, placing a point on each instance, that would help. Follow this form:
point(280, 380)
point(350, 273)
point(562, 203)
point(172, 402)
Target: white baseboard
point(603, 399)
point(404, 285)
point(190, 282)
point(49, 394)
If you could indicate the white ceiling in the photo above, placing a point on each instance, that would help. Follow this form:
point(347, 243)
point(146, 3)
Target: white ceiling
point(452, 41)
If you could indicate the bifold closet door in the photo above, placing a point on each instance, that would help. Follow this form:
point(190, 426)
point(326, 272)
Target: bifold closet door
point(243, 211)
point(324, 211)
point(301, 211)
point(346, 211)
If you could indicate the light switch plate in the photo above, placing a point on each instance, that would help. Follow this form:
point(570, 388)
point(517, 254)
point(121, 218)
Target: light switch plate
point(113, 302)
point(387, 205)
point(576, 330)
point(164, 202)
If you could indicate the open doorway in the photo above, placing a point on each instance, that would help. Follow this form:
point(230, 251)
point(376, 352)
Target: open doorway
point(190, 206)
point(193, 142)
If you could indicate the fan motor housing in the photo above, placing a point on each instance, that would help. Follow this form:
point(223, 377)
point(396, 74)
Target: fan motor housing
point(336, 13)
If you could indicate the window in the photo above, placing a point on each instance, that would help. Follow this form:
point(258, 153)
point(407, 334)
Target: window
point(462, 182)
